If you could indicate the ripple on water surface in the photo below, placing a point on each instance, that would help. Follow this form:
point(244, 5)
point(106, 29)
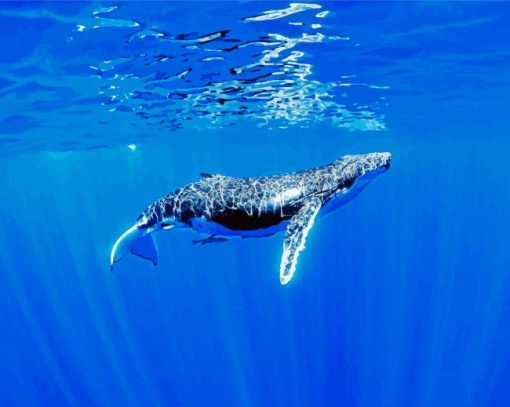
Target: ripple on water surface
point(129, 70)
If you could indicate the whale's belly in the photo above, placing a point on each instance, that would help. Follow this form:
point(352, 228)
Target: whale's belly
point(239, 222)
point(206, 226)
point(256, 220)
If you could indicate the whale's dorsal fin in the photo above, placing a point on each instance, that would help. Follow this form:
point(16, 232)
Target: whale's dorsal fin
point(295, 237)
point(206, 175)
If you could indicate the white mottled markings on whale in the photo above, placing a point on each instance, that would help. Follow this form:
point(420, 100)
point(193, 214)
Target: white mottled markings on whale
point(295, 237)
point(289, 194)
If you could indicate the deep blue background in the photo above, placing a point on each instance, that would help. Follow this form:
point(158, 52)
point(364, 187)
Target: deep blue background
point(401, 298)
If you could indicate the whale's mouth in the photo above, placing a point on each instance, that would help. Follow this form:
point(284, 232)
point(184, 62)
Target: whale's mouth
point(370, 174)
point(381, 161)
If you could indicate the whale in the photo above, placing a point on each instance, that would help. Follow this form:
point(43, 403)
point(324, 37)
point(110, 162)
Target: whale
point(223, 207)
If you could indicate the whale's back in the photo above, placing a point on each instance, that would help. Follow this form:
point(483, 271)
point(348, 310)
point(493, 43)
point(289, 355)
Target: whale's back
point(240, 203)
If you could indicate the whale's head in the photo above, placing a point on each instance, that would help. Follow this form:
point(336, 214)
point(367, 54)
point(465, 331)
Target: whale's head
point(375, 161)
point(351, 174)
point(363, 167)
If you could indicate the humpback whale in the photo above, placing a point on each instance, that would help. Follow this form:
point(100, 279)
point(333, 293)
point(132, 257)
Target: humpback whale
point(223, 207)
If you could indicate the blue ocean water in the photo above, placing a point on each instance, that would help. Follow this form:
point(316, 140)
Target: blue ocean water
point(401, 298)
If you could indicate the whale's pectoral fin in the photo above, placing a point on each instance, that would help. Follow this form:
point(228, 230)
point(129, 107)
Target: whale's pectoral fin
point(136, 241)
point(295, 237)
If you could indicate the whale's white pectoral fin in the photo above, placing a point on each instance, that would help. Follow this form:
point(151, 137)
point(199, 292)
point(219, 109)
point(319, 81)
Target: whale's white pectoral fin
point(136, 241)
point(295, 237)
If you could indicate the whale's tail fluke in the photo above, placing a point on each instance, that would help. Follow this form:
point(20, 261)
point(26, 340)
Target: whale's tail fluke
point(136, 241)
